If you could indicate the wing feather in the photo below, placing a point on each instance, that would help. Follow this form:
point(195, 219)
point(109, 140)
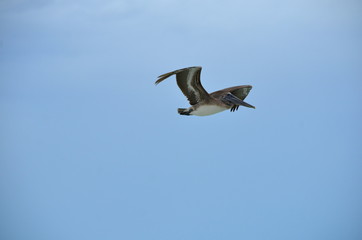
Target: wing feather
point(188, 80)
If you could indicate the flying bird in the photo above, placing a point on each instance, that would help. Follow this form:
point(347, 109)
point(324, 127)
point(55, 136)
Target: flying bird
point(204, 103)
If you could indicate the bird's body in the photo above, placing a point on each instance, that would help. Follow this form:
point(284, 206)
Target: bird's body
point(203, 103)
point(207, 109)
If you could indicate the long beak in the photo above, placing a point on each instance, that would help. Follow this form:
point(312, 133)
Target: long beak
point(237, 101)
point(245, 104)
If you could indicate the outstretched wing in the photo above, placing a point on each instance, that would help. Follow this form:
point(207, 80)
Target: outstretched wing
point(188, 80)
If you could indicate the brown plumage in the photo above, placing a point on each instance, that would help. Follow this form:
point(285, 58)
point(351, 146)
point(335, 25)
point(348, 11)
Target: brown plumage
point(203, 103)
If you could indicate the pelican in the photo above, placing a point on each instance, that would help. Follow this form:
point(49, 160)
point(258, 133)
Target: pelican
point(202, 103)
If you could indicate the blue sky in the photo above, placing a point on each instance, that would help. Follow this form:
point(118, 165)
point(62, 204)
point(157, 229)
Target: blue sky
point(91, 149)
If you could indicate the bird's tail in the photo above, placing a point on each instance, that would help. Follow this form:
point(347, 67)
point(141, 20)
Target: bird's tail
point(184, 111)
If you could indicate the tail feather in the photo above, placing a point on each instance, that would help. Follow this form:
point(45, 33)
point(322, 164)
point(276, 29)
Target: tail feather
point(184, 111)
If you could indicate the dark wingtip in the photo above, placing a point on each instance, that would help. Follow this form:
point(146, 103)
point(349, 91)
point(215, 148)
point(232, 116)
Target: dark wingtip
point(158, 81)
